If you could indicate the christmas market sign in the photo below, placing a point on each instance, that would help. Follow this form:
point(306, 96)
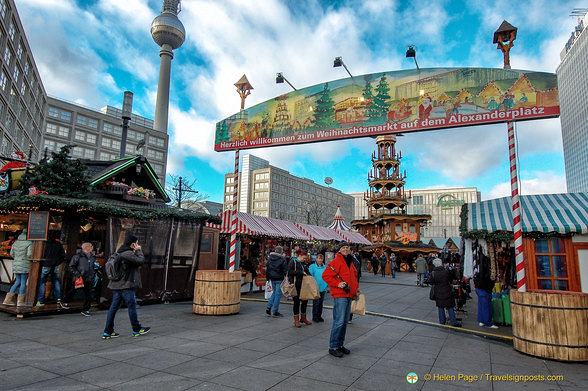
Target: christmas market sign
point(392, 102)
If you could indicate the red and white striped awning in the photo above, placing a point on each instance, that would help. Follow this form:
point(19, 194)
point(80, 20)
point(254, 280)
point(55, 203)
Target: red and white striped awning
point(248, 224)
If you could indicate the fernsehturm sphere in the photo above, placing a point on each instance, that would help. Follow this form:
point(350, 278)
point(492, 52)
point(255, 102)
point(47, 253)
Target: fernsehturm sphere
point(168, 32)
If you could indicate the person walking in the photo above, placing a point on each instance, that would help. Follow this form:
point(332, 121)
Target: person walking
point(54, 256)
point(316, 270)
point(275, 272)
point(441, 279)
point(82, 265)
point(131, 257)
point(375, 261)
point(341, 276)
point(21, 253)
point(393, 264)
point(421, 269)
point(297, 268)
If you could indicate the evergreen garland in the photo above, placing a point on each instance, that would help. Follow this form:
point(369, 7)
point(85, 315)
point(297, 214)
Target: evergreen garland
point(58, 175)
point(81, 206)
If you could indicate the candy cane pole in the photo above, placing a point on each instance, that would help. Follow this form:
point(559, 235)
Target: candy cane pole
point(516, 210)
point(233, 254)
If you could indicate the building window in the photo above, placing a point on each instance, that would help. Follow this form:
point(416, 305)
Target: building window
point(27, 66)
point(3, 8)
point(3, 80)
point(58, 113)
point(112, 129)
point(107, 156)
point(158, 142)
point(85, 136)
point(19, 51)
point(552, 265)
point(7, 56)
point(89, 122)
point(155, 154)
point(110, 143)
point(11, 30)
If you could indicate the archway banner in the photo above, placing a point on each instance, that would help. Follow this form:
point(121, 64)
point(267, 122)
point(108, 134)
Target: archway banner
point(392, 102)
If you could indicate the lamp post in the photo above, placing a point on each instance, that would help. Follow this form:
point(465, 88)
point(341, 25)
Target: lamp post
point(504, 38)
point(127, 110)
point(181, 191)
point(307, 213)
point(280, 79)
point(411, 52)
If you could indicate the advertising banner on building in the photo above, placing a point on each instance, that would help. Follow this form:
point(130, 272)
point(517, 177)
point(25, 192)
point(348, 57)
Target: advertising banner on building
point(392, 102)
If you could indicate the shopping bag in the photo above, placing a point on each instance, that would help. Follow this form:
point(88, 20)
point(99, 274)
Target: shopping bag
point(309, 289)
point(79, 282)
point(358, 306)
point(288, 288)
point(268, 289)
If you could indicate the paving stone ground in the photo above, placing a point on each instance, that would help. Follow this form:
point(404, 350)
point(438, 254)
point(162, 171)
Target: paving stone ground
point(250, 351)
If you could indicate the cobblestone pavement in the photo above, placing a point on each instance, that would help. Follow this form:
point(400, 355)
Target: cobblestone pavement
point(250, 351)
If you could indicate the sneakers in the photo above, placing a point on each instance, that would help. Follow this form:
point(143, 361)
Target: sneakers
point(277, 315)
point(86, 313)
point(268, 311)
point(143, 331)
point(344, 350)
point(111, 335)
point(481, 324)
point(40, 304)
point(492, 327)
point(62, 304)
point(336, 353)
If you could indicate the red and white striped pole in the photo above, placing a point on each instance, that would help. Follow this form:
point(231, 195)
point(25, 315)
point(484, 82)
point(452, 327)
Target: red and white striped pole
point(516, 210)
point(233, 255)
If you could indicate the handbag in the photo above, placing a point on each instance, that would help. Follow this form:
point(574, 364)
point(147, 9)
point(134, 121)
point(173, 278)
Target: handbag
point(288, 288)
point(358, 306)
point(432, 292)
point(268, 289)
point(309, 289)
point(79, 282)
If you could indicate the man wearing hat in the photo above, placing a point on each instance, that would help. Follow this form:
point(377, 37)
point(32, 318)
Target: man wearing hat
point(132, 258)
point(341, 276)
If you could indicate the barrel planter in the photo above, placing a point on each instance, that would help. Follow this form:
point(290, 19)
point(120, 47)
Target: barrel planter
point(550, 324)
point(217, 292)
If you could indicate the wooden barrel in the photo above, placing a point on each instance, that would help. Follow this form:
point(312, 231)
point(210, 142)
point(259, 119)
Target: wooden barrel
point(551, 325)
point(217, 292)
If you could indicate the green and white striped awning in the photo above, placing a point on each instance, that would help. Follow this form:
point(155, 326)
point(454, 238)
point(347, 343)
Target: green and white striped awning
point(563, 213)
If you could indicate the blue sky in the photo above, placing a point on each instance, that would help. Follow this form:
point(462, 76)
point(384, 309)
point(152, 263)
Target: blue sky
point(91, 51)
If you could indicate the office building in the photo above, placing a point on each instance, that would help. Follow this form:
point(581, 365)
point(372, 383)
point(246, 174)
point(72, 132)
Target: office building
point(572, 76)
point(23, 100)
point(443, 204)
point(97, 134)
point(269, 191)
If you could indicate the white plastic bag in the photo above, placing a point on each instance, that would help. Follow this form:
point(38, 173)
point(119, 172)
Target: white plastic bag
point(268, 289)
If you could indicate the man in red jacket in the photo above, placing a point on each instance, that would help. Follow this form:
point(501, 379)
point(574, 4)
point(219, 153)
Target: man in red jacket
point(341, 276)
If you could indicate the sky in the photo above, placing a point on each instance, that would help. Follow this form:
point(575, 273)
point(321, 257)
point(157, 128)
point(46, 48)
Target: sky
point(91, 51)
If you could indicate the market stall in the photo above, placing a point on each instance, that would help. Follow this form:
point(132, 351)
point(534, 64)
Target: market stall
point(549, 318)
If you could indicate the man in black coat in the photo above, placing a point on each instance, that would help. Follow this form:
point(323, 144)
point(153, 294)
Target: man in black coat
point(441, 279)
point(276, 269)
point(132, 258)
point(82, 265)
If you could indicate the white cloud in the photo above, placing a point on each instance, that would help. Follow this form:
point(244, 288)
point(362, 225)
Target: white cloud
point(540, 183)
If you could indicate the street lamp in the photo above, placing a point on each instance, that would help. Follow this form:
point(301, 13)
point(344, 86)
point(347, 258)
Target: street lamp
point(127, 110)
point(338, 62)
point(411, 52)
point(307, 213)
point(181, 191)
point(280, 79)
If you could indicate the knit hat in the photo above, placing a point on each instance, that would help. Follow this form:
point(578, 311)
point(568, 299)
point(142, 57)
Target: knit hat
point(279, 249)
point(129, 239)
point(341, 245)
point(437, 262)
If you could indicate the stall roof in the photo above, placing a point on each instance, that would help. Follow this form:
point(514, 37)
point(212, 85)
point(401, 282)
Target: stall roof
point(264, 226)
point(563, 213)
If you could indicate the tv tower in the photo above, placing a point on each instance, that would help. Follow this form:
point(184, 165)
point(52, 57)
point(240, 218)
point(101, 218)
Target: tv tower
point(168, 32)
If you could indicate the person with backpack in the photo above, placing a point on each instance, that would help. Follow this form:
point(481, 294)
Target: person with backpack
point(122, 269)
point(275, 272)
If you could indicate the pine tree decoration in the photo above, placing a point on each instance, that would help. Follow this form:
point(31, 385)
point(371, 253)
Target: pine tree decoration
point(60, 175)
point(381, 102)
point(370, 112)
point(324, 113)
point(221, 132)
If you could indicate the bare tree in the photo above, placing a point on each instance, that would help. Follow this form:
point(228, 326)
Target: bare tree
point(180, 189)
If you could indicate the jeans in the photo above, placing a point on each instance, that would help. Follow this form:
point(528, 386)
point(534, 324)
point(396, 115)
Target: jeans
point(485, 310)
point(420, 279)
point(317, 307)
point(443, 319)
point(341, 311)
point(49, 274)
point(274, 301)
point(20, 283)
point(118, 296)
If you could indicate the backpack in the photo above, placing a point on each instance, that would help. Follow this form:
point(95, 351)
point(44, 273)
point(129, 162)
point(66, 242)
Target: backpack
point(114, 267)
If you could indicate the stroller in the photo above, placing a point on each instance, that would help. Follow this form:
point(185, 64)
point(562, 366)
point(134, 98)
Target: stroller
point(461, 292)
